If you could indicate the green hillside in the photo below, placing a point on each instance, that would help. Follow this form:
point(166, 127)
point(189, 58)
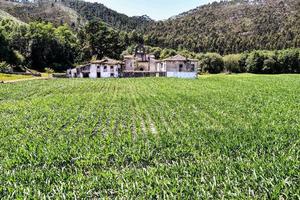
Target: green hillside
point(231, 27)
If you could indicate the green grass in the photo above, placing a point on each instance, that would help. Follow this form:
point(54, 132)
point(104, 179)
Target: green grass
point(11, 77)
point(225, 136)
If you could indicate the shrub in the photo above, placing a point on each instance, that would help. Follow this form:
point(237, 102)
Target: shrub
point(232, 63)
point(289, 60)
point(49, 70)
point(211, 63)
point(5, 68)
point(255, 61)
point(270, 65)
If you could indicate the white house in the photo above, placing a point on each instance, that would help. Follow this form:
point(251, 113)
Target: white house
point(105, 68)
point(180, 67)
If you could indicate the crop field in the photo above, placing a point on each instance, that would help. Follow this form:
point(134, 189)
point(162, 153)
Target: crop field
point(221, 136)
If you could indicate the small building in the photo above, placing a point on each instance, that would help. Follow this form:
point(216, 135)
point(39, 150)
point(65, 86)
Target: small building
point(105, 68)
point(180, 67)
point(142, 64)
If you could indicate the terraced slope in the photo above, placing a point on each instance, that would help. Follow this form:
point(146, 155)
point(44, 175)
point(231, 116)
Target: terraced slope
point(231, 137)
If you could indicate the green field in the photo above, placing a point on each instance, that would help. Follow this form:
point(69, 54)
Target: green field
point(222, 136)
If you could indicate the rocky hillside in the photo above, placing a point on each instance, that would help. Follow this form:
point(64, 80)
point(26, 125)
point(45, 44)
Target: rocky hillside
point(231, 26)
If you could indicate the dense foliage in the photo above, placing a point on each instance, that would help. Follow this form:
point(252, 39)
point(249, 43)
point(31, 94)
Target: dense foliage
point(231, 27)
point(41, 45)
point(259, 62)
point(38, 45)
point(228, 137)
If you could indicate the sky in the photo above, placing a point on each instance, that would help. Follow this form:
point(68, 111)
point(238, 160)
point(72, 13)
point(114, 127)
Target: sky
point(156, 9)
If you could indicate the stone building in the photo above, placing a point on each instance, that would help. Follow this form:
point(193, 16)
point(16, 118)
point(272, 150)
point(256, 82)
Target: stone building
point(140, 61)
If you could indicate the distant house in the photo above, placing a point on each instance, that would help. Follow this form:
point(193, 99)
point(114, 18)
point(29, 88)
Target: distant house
point(105, 68)
point(180, 67)
point(140, 64)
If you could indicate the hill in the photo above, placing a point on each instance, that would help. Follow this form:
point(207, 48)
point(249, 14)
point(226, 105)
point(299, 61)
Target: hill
point(231, 26)
point(56, 13)
point(117, 20)
point(72, 12)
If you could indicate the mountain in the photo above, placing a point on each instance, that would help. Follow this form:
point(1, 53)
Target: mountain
point(230, 27)
point(72, 12)
point(50, 11)
point(117, 20)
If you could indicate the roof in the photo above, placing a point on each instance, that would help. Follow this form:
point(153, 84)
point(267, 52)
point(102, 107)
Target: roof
point(179, 58)
point(80, 66)
point(176, 58)
point(107, 61)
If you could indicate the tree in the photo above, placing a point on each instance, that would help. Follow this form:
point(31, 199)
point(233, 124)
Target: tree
point(254, 62)
point(211, 62)
point(51, 47)
point(6, 53)
point(104, 41)
point(232, 63)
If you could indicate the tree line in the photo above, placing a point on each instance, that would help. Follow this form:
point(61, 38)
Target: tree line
point(40, 45)
point(257, 61)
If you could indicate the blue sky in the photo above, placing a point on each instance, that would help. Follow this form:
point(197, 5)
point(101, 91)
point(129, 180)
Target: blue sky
point(156, 9)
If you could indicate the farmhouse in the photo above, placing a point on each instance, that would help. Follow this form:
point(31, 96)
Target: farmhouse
point(180, 67)
point(140, 64)
point(105, 68)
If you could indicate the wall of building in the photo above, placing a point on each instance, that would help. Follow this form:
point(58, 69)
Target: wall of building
point(182, 74)
point(104, 73)
point(173, 66)
point(129, 65)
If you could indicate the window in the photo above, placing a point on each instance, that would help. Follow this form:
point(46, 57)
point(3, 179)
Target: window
point(180, 67)
point(111, 68)
point(105, 68)
point(112, 75)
